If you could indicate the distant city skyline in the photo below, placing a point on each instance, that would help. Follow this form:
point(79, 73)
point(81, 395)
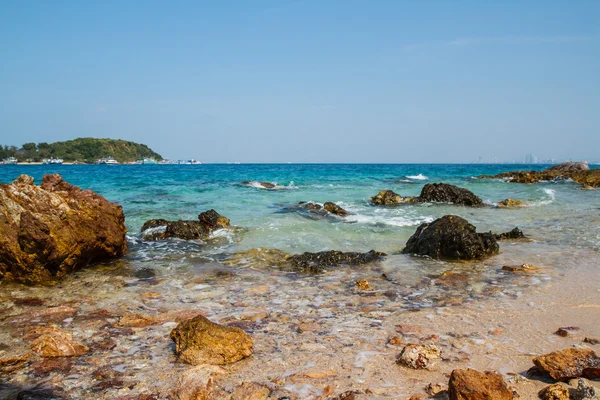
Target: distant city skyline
point(288, 81)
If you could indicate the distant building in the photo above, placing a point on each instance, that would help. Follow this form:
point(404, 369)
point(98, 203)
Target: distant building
point(531, 159)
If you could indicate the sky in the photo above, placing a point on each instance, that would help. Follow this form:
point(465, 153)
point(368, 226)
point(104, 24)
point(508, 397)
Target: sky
point(307, 81)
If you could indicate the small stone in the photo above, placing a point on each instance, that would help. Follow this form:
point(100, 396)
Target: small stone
point(395, 341)
point(433, 389)
point(585, 390)
point(469, 384)
point(566, 331)
point(496, 332)
point(134, 320)
point(554, 392)
point(363, 284)
point(591, 340)
point(14, 363)
point(58, 343)
point(418, 356)
point(200, 341)
point(509, 203)
point(527, 268)
point(251, 391)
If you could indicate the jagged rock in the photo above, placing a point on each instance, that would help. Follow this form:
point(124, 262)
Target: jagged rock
point(570, 363)
point(309, 205)
point(445, 193)
point(335, 209)
point(54, 342)
point(389, 198)
point(511, 203)
point(419, 356)
point(570, 166)
point(556, 391)
point(469, 384)
point(451, 237)
point(515, 233)
point(577, 171)
point(200, 341)
point(50, 230)
point(585, 390)
point(316, 262)
point(13, 363)
point(208, 221)
point(363, 284)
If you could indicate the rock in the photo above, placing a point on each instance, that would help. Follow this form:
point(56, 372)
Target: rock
point(251, 391)
point(55, 342)
point(451, 237)
point(585, 390)
point(566, 331)
point(208, 221)
point(200, 341)
point(10, 364)
point(555, 392)
point(591, 340)
point(259, 184)
point(335, 209)
point(570, 166)
point(521, 268)
point(570, 363)
point(469, 384)
point(511, 203)
point(363, 284)
point(134, 320)
point(445, 193)
point(515, 233)
point(196, 384)
point(316, 262)
point(50, 230)
point(309, 205)
point(434, 389)
point(389, 198)
point(419, 356)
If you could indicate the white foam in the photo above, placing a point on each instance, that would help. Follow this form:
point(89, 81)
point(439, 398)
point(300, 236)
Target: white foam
point(259, 185)
point(386, 220)
point(419, 177)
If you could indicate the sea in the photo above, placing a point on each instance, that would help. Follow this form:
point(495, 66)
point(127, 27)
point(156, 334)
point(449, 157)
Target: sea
point(232, 276)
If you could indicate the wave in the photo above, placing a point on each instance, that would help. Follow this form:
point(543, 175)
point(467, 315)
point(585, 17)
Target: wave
point(419, 177)
point(269, 185)
point(381, 220)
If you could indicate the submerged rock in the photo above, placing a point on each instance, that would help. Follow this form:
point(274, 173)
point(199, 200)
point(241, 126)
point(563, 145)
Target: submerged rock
point(445, 193)
point(469, 384)
point(419, 356)
point(390, 198)
point(251, 391)
point(451, 237)
point(50, 230)
point(259, 184)
point(515, 233)
point(54, 342)
point(208, 221)
point(511, 203)
point(570, 363)
point(316, 262)
point(200, 341)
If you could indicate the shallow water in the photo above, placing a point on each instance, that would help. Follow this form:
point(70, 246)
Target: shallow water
point(166, 278)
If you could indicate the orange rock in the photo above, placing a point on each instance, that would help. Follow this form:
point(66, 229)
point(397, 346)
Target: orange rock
point(469, 384)
point(570, 363)
point(134, 320)
point(251, 391)
point(14, 363)
point(57, 343)
point(363, 284)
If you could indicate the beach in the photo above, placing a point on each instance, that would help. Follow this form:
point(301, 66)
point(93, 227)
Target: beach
point(315, 335)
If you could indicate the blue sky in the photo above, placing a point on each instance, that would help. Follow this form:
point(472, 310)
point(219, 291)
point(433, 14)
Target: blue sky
point(307, 81)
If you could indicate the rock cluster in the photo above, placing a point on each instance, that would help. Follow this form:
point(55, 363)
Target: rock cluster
point(208, 221)
point(579, 172)
point(316, 262)
point(327, 207)
point(50, 230)
point(570, 363)
point(451, 237)
point(200, 341)
point(431, 193)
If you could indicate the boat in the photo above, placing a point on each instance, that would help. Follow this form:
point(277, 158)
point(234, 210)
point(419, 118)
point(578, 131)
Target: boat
point(9, 160)
point(107, 161)
point(146, 160)
point(52, 160)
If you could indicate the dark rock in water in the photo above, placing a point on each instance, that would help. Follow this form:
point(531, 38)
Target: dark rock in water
point(263, 185)
point(515, 233)
point(208, 221)
point(144, 273)
point(511, 203)
point(310, 206)
point(570, 363)
point(335, 209)
point(50, 230)
point(469, 384)
point(200, 341)
point(451, 237)
point(570, 166)
point(390, 198)
point(445, 193)
point(316, 262)
point(579, 172)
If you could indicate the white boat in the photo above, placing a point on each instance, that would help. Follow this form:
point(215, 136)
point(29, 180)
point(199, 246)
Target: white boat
point(107, 161)
point(9, 160)
point(146, 160)
point(52, 160)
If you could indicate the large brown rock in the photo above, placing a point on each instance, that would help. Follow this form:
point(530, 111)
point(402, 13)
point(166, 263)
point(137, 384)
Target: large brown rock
point(200, 341)
point(50, 230)
point(390, 198)
point(451, 237)
point(469, 384)
point(577, 171)
point(446, 193)
point(570, 363)
point(208, 221)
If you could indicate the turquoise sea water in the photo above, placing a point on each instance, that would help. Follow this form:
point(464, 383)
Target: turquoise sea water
point(560, 213)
